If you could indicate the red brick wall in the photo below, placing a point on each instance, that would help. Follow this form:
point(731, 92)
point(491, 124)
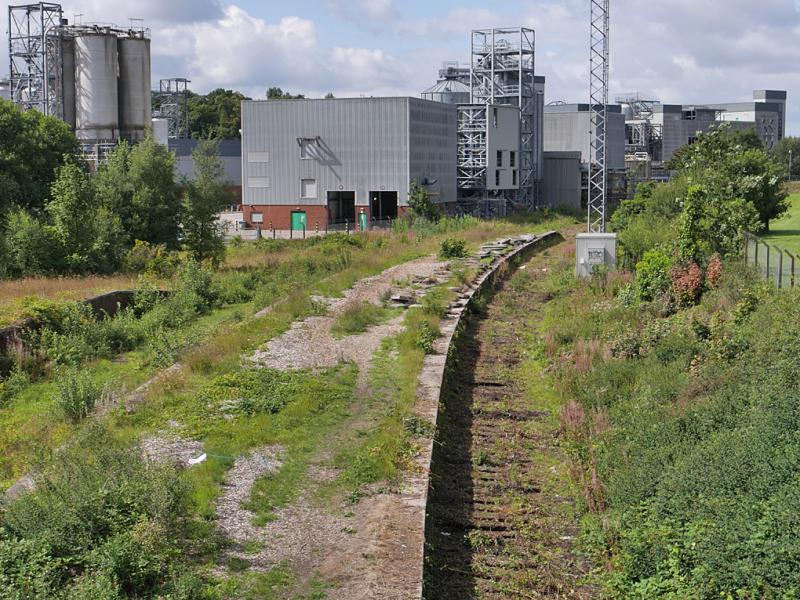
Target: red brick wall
point(281, 216)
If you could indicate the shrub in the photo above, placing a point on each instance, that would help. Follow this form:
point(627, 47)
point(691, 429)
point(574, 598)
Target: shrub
point(433, 302)
point(357, 317)
point(76, 395)
point(714, 271)
point(653, 274)
point(101, 523)
point(687, 283)
point(426, 337)
point(154, 259)
point(452, 248)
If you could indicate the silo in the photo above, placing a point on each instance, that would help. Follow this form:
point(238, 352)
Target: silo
point(96, 94)
point(449, 91)
point(68, 64)
point(135, 111)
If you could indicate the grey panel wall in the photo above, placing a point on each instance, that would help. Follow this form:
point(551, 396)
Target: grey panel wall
point(433, 147)
point(568, 131)
point(562, 179)
point(363, 147)
point(502, 136)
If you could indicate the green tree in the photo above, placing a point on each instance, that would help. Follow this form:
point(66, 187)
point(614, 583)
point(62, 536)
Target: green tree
point(205, 196)
point(32, 148)
point(88, 235)
point(138, 185)
point(329, 96)
point(276, 93)
point(216, 115)
point(29, 245)
point(783, 150)
point(731, 166)
point(420, 203)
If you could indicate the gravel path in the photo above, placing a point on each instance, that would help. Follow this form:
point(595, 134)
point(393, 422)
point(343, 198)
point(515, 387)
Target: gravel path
point(308, 344)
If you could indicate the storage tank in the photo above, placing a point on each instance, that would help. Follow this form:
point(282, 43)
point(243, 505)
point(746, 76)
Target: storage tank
point(449, 91)
point(135, 111)
point(96, 91)
point(68, 63)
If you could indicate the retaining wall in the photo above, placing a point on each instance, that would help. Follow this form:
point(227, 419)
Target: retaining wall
point(437, 367)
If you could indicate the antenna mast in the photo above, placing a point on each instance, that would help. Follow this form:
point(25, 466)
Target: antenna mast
point(598, 101)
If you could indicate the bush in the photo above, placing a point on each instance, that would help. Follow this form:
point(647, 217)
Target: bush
point(426, 337)
point(153, 259)
point(452, 248)
point(687, 283)
point(76, 395)
point(653, 274)
point(101, 523)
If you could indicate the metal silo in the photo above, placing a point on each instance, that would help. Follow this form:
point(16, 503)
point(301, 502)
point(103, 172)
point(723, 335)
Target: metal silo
point(96, 92)
point(449, 91)
point(68, 64)
point(135, 111)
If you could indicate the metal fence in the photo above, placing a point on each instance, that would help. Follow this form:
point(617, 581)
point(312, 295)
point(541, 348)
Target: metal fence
point(772, 262)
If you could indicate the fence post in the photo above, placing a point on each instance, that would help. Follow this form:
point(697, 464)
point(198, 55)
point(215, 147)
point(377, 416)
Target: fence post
point(791, 256)
point(316, 228)
point(291, 231)
point(780, 268)
point(347, 227)
point(746, 245)
point(304, 231)
point(755, 257)
point(766, 245)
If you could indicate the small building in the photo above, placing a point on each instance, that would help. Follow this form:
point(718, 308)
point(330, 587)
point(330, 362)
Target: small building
point(562, 179)
point(318, 163)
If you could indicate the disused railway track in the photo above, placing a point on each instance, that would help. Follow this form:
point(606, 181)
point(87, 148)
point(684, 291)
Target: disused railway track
point(500, 523)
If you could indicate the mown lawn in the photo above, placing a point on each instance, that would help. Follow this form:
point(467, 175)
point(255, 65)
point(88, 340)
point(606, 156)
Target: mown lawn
point(785, 232)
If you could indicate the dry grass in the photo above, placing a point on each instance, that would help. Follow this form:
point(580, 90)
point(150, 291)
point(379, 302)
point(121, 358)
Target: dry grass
point(62, 287)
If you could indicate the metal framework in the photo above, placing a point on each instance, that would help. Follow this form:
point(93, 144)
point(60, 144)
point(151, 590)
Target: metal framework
point(171, 102)
point(472, 153)
point(35, 57)
point(598, 101)
point(502, 72)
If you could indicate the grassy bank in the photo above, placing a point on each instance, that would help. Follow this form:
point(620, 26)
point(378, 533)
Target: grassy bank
point(682, 426)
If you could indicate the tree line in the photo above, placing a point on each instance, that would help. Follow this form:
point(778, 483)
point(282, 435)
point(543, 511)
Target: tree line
point(57, 217)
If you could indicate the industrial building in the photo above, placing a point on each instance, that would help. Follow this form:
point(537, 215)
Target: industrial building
point(230, 156)
point(655, 131)
point(94, 77)
point(473, 142)
point(323, 162)
point(566, 140)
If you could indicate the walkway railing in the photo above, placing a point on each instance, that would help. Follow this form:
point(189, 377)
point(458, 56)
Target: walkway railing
point(772, 262)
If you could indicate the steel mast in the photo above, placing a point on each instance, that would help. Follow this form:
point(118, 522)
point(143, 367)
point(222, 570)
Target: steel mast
point(598, 101)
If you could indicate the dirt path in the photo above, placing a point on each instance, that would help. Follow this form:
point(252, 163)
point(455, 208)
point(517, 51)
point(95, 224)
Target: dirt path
point(500, 522)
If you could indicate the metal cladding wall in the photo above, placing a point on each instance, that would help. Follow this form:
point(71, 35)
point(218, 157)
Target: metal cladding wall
point(96, 91)
point(229, 152)
point(566, 129)
point(562, 179)
point(357, 144)
point(433, 147)
point(135, 110)
point(502, 135)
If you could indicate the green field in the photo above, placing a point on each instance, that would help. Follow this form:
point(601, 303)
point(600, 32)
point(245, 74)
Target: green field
point(785, 232)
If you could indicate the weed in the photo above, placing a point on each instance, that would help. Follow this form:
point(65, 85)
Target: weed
point(452, 248)
point(77, 395)
point(357, 317)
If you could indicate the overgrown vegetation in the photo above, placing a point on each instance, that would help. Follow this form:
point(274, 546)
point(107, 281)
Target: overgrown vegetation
point(680, 395)
point(357, 317)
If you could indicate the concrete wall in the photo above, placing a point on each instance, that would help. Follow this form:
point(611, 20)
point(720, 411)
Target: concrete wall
point(562, 179)
point(566, 129)
point(354, 144)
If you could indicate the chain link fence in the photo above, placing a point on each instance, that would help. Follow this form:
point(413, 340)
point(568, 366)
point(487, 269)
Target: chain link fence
point(781, 266)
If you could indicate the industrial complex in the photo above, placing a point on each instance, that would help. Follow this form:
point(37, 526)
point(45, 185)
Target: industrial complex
point(481, 140)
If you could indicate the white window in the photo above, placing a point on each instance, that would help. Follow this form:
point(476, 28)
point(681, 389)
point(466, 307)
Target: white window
point(308, 188)
point(257, 217)
point(258, 157)
point(259, 182)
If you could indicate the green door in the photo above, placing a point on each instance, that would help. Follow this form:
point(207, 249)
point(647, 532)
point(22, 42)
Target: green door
point(298, 220)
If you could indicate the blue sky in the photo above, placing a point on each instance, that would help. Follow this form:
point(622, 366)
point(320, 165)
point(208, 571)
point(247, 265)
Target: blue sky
point(678, 51)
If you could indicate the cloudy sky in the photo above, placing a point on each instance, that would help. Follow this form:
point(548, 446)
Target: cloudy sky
point(681, 51)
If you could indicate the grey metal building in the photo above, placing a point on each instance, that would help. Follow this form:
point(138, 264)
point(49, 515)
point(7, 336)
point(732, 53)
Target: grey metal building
point(319, 162)
point(230, 155)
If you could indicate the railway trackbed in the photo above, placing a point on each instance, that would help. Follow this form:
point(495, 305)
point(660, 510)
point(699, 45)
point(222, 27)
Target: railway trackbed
point(501, 520)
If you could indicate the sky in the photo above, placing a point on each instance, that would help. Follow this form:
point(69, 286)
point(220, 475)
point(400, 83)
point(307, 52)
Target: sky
point(676, 51)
